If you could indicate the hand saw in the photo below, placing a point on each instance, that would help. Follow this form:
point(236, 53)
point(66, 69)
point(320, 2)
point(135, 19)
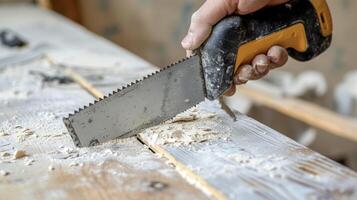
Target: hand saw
point(303, 27)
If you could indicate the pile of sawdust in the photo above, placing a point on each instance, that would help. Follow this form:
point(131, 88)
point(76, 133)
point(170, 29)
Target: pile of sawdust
point(192, 126)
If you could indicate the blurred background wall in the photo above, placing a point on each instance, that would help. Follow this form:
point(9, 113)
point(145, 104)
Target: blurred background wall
point(152, 29)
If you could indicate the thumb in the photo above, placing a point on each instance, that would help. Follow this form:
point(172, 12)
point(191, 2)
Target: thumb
point(214, 10)
point(203, 20)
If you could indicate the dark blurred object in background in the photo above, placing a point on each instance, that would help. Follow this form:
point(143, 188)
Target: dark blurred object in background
point(9, 38)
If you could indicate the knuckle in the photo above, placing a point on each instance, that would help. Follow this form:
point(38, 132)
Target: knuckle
point(195, 17)
point(230, 2)
point(230, 5)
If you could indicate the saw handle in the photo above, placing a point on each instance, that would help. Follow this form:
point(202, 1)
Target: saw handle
point(303, 27)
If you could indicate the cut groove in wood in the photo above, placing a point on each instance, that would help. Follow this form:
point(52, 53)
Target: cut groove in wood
point(254, 162)
point(309, 113)
point(186, 172)
point(76, 77)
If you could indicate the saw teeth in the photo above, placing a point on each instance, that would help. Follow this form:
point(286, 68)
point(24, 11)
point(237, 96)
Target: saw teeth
point(124, 87)
point(71, 132)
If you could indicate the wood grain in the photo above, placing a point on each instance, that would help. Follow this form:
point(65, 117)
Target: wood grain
point(257, 162)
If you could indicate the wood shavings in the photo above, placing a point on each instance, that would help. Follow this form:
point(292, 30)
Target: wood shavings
point(75, 164)
point(53, 136)
point(28, 131)
point(19, 154)
point(3, 133)
point(57, 135)
point(29, 162)
point(242, 158)
point(191, 115)
point(193, 128)
point(68, 150)
point(21, 138)
point(177, 134)
point(5, 154)
point(4, 173)
point(208, 115)
point(51, 168)
point(24, 134)
point(206, 129)
point(183, 118)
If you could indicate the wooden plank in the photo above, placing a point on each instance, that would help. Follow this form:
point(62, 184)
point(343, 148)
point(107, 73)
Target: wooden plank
point(36, 94)
point(309, 113)
point(123, 168)
point(251, 162)
point(228, 159)
point(255, 162)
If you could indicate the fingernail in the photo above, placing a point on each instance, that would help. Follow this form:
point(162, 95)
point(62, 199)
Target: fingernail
point(240, 80)
point(273, 59)
point(261, 68)
point(187, 41)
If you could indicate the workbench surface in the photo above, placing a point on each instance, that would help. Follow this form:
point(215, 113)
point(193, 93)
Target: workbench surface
point(231, 160)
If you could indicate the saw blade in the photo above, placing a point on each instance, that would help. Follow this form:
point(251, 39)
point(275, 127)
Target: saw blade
point(154, 99)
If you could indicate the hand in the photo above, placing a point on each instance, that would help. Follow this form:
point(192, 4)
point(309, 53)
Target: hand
point(214, 10)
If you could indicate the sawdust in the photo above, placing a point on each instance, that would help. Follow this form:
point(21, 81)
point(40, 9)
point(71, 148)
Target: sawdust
point(138, 158)
point(242, 158)
point(192, 126)
point(4, 173)
point(184, 118)
point(5, 154)
point(19, 154)
point(3, 133)
point(76, 164)
point(191, 115)
point(51, 168)
point(24, 134)
point(269, 165)
point(29, 162)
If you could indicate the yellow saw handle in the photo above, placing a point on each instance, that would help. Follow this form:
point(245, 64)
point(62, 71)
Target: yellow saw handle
point(303, 27)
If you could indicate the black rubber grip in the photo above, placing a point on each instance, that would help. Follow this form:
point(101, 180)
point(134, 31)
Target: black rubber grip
point(219, 52)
